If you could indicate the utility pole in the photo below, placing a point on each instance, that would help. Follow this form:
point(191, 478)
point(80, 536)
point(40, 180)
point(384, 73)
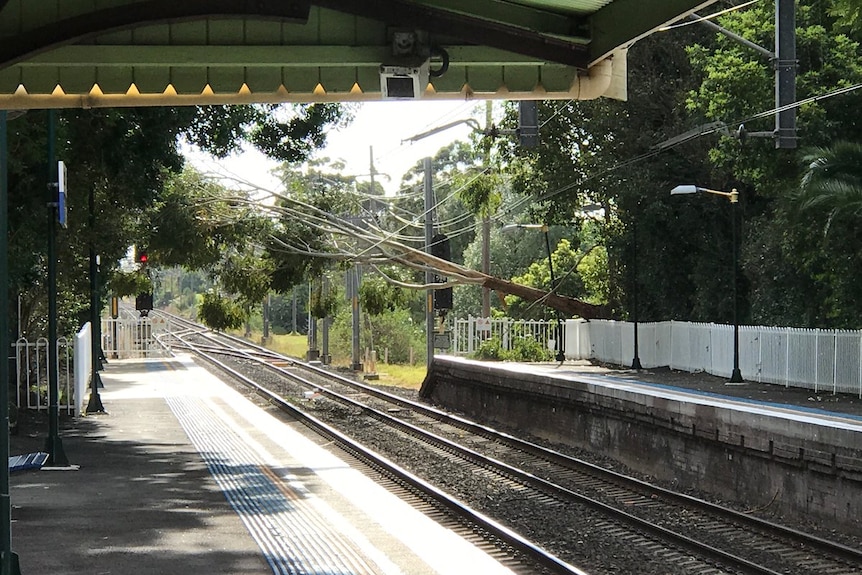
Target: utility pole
point(313, 351)
point(429, 275)
point(371, 168)
point(486, 223)
point(267, 302)
point(785, 73)
point(53, 443)
point(324, 356)
point(353, 278)
point(293, 328)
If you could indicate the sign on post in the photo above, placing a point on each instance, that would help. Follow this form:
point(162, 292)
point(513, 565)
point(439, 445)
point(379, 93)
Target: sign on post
point(61, 193)
point(442, 340)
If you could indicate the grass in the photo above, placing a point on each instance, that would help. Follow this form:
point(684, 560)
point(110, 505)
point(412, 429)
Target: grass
point(409, 376)
point(296, 345)
point(291, 344)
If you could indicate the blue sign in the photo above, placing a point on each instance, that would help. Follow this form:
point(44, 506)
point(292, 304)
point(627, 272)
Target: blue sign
point(61, 193)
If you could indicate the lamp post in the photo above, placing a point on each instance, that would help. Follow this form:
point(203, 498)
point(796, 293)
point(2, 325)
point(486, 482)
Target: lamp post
point(558, 343)
point(8, 559)
point(733, 196)
point(636, 360)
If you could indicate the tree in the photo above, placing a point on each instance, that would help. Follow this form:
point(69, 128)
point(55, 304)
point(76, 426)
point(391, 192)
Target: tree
point(791, 275)
point(825, 213)
point(124, 157)
point(832, 182)
point(538, 275)
point(220, 313)
point(606, 154)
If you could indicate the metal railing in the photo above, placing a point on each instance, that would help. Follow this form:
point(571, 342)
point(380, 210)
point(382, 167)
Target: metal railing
point(131, 336)
point(31, 374)
point(470, 333)
point(126, 337)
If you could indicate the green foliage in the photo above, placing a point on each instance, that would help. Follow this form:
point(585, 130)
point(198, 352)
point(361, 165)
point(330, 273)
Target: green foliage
point(847, 14)
point(123, 163)
point(524, 349)
point(798, 247)
point(220, 313)
point(566, 262)
point(324, 303)
point(824, 214)
point(283, 133)
point(247, 276)
point(480, 193)
point(491, 350)
point(377, 296)
point(832, 184)
point(528, 349)
point(593, 269)
point(125, 284)
point(297, 246)
point(197, 221)
point(737, 84)
point(281, 311)
point(392, 330)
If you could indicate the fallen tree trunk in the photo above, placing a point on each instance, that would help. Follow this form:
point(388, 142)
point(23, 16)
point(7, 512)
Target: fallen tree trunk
point(568, 306)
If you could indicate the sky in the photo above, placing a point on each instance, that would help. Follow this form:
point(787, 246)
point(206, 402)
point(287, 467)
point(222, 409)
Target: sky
point(378, 127)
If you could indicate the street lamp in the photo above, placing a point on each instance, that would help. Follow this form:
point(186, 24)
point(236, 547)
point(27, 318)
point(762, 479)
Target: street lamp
point(733, 196)
point(558, 344)
point(636, 360)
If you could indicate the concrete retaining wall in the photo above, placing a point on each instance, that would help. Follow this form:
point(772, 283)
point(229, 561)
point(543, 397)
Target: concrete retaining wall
point(782, 465)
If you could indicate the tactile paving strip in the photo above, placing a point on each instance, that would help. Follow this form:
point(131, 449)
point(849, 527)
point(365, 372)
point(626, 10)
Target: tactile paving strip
point(294, 539)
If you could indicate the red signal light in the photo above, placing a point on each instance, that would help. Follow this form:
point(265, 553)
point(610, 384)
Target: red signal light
point(142, 257)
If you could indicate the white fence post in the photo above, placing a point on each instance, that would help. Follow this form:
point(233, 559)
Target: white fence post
point(83, 365)
point(783, 355)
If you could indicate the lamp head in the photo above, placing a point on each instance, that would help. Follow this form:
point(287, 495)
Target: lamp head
point(510, 227)
point(684, 189)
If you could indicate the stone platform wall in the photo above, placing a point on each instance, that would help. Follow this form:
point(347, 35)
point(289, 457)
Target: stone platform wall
point(760, 461)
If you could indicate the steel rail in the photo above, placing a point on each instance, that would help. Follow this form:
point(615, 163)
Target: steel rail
point(504, 534)
point(838, 551)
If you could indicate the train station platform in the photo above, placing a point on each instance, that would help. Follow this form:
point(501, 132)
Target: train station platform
point(185, 475)
point(761, 446)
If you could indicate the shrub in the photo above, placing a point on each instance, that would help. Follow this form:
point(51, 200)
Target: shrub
point(523, 349)
point(529, 349)
point(491, 350)
point(220, 313)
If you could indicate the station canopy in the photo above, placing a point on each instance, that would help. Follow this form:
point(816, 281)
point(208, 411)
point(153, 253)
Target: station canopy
point(114, 53)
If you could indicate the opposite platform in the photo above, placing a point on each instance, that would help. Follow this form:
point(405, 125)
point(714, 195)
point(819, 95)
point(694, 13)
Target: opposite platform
point(183, 475)
point(763, 454)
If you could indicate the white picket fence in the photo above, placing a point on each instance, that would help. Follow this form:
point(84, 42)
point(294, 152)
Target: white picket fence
point(817, 359)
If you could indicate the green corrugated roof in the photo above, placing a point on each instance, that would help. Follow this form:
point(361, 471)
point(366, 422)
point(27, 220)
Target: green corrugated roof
point(126, 52)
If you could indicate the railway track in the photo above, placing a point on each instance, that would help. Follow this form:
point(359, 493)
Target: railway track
point(580, 513)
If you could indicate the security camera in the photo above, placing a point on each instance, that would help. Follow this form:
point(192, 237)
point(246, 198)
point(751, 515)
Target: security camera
point(404, 81)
